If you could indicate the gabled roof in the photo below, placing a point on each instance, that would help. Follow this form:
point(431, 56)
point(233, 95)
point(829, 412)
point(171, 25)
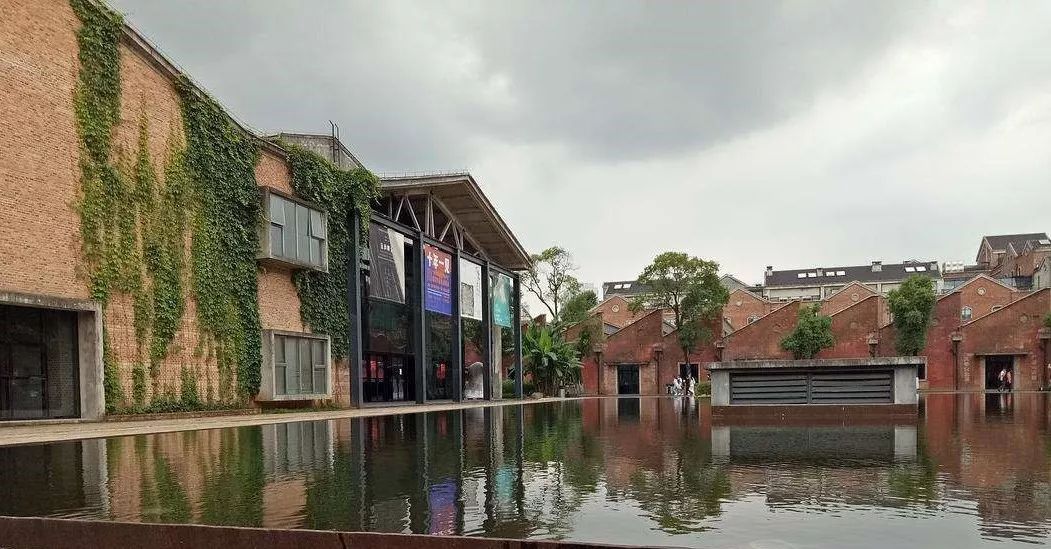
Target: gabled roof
point(627, 288)
point(983, 276)
point(598, 305)
point(460, 193)
point(889, 272)
point(999, 242)
point(728, 279)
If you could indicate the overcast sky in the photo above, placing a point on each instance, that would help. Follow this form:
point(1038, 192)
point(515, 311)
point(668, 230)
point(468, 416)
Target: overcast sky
point(754, 133)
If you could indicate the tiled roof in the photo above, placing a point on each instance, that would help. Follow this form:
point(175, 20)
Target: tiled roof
point(626, 288)
point(1000, 241)
point(889, 272)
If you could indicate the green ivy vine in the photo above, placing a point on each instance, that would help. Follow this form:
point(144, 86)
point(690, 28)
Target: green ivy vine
point(135, 230)
point(323, 296)
point(220, 160)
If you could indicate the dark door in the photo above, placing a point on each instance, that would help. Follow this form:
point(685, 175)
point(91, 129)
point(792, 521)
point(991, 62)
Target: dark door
point(628, 379)
point(387, 377)
point(38, 363)
point(993, 366)
point(691, 370)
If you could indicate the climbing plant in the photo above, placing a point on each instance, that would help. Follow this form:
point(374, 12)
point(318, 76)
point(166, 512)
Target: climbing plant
point(323, 296)
point(220, 161)
point(135, 229)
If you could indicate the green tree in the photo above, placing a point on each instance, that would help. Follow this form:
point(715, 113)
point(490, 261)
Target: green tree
point(549, 360)
point(577, 307)
point(911, 304)
point(813, 332)
point(689, 287)
point(550, 278)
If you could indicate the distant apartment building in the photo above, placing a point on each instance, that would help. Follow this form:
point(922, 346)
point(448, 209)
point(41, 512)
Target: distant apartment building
point(630, 289)
point(818, 283)
point(1022, 261)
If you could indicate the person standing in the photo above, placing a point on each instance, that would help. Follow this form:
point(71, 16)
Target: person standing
point(1003, 379)
point(1009, 380)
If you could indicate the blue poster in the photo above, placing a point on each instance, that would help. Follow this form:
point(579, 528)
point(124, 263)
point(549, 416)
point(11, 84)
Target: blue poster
point(502, 300)
point(438, 280)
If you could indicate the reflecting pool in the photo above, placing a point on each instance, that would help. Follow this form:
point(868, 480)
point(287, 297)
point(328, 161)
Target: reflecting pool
point(972, 470)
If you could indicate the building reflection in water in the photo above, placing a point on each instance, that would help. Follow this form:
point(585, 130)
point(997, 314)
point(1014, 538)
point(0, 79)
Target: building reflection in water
point(647, 470)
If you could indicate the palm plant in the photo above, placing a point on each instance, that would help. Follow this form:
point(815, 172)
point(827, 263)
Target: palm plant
point(549, 360)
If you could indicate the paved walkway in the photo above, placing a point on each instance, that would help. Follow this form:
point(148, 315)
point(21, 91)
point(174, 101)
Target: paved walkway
point(54, 432)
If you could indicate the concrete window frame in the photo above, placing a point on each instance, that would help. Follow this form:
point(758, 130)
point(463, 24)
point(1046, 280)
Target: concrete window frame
point(268, 387)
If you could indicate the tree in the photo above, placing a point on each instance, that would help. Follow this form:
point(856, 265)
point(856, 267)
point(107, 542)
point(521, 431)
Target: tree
point(689, 287)
point(550, 278)
point(549, 360)
point(577, 307)
point(813, 332)
point(911, 304)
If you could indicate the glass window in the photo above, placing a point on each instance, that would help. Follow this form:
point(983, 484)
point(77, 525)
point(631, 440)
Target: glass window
point(300, 365)
point(965, 314)
point(297, 233)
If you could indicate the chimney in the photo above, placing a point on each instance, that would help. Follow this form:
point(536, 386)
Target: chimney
point(769, 270)
point(877, 266)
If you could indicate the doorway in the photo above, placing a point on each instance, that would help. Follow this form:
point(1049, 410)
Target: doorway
point(628, 379)
point(994, 364)
point(388, 377)
point(692, 370)
point(39, 364)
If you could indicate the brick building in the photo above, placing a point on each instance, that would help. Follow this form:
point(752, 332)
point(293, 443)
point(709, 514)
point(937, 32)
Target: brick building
point(53, 328)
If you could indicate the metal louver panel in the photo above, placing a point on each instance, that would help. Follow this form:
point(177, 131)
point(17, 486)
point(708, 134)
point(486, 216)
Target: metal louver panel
point(781, 388)
point(842, 387)
point(852, 388)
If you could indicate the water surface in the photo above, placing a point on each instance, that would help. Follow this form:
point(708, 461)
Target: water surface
point(972, 470)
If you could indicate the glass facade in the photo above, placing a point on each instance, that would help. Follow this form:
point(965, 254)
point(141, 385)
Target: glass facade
point(388, 281)
point(415, 347)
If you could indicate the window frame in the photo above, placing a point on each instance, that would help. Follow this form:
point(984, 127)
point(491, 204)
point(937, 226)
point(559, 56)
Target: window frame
point(268, 388)
point(267, 222)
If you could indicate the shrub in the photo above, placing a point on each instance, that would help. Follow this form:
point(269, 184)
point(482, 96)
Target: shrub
point(813, 332)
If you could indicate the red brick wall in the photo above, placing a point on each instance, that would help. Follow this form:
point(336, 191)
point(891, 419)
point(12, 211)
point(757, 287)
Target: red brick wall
point(852, 328)
point(633, 344)
point(1012, 329)
point(981, 294)
point(617, 311)
point(743, 304)
point(762, 339)
point(845, 297)
point(668, 368)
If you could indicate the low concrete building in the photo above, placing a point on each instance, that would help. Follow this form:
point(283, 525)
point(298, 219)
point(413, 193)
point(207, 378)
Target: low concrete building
point(817, 382)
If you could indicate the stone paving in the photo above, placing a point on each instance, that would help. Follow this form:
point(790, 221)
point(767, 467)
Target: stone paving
point(59, 431)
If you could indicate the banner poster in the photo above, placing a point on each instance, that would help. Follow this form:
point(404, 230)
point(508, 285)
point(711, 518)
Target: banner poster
point(502, 300)
point(470, 290)
point(386, 264)
point(438, 277)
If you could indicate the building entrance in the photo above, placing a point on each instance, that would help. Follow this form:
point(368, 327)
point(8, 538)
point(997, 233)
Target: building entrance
point(628, 379)
point(993, 366)
point(388, 377)
point(39, 366)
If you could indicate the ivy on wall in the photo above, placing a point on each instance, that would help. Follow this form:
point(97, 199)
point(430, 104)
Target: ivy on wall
point(220, 160)
point(323, 296)
point(134, 230)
